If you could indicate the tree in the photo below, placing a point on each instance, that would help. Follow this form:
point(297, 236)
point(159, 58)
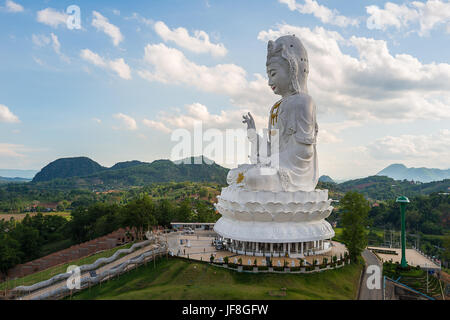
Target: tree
point(9, 253)
point(183, 213)
point(139, 214)
point(446, 253)
point(29, 241)
point(355, 210)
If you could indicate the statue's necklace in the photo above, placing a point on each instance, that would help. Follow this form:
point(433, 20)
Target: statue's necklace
point(276, 109)
point(274, 112)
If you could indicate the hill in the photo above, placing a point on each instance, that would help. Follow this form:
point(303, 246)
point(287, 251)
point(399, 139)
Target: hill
point(326, 179)
point(68, 167)
point(384, 188)
point(86, 173)
point(187, 280)
point(401, 172)
point(126, 164)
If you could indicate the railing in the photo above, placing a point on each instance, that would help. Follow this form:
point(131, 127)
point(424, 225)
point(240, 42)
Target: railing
point(84, 268)
point(86, 282)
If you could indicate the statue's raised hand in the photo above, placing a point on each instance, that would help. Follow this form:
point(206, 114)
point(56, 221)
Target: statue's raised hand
point(248, 119)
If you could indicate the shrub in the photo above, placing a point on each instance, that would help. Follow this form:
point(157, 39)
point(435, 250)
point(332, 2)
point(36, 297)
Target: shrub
point(225, 260)
point(263, 268)
point(278, 269)
point(240, 261)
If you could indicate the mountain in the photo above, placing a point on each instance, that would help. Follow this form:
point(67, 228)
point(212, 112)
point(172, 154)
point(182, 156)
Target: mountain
point(126, 164)
point(384, 188)
point(326, 179)
point(68, 167)
point(14, 173)
point(12, 180)
point(86, 173)
point(401, 172)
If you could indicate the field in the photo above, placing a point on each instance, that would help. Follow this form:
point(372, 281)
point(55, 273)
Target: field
point(21, 216)
point(51, 272)
point(184, 280)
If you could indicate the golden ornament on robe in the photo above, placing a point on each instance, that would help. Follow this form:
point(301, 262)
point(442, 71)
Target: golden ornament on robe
point(274, 116)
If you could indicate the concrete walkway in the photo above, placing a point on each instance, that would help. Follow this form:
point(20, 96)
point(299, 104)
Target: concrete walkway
point(366, 293)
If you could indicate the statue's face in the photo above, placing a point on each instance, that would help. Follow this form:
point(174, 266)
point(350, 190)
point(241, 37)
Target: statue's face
point(279, 77)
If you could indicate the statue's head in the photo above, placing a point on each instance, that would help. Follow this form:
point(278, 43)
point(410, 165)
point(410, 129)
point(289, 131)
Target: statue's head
point(287, 65)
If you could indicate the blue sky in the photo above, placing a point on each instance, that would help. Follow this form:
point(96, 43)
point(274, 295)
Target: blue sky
point(116, 89)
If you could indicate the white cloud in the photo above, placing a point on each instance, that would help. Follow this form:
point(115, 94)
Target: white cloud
point(40, 40)
point(51, 17)
point(118, 65)
point(157, 125)
point(321, 12)
point(101, 23)
point(116, 12)
point(92, 57)
point(140, 19)
point(375, 85)
point(428, 15)
point(193, 113)
point(199, 43)
point(12, 6)
point(128, 122)
point(7, 116)
point(169, 65)
point(433, 147)
point(10, 150)
point(121, 68)
point(56, 44)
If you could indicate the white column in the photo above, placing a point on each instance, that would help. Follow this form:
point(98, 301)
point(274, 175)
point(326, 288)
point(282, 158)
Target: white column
point(271, 247)
point(289, 249)
point(296, 247)
point(301, 247)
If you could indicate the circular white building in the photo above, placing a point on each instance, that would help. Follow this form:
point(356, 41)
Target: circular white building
point(268, 223)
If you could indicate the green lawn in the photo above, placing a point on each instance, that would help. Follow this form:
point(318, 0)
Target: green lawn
point(179, 279)
point(51, 272)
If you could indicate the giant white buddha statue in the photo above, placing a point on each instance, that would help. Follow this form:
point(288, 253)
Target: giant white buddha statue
point(271, 206)
point(290, 163)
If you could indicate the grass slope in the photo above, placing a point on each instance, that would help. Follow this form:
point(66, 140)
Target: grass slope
point(183, 280)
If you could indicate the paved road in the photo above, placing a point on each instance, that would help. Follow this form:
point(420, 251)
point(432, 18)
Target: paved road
point(371, 294)
point(99, 270)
